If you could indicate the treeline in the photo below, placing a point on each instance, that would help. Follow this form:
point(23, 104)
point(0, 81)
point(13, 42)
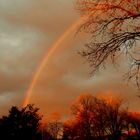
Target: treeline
point(93, 119)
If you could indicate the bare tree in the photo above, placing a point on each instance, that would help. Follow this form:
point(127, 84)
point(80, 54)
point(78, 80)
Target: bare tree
point(55, 129)
point(82, 109)
point(133, 124)
point(97, 118)
point(115, 118)
point(72, 130)
point(54, 126)
point(114, 26)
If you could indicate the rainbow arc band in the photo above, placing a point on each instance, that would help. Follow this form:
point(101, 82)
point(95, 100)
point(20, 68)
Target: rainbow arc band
point(45, 60)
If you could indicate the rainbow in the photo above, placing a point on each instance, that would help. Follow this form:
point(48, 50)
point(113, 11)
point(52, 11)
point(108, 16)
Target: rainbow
point(43, 63)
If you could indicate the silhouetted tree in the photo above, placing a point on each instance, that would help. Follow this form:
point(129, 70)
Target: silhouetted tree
point(82, 109)
point(72, 130)
point(115, 29)
point(96, 118)
point(45, 135)
point(54, 126)
point(133, 124)
point(21, 124)
point(115, 117)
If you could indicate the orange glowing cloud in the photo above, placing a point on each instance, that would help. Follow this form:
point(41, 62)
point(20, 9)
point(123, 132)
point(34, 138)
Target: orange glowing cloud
point(109, 97)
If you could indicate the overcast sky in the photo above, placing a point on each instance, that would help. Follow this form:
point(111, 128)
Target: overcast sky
point(28, 28)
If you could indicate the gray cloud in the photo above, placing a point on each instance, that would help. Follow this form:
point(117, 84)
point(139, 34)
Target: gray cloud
point(15, 6)
point(19, 56)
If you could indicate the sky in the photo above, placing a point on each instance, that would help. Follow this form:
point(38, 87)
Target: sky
point(28, 30)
